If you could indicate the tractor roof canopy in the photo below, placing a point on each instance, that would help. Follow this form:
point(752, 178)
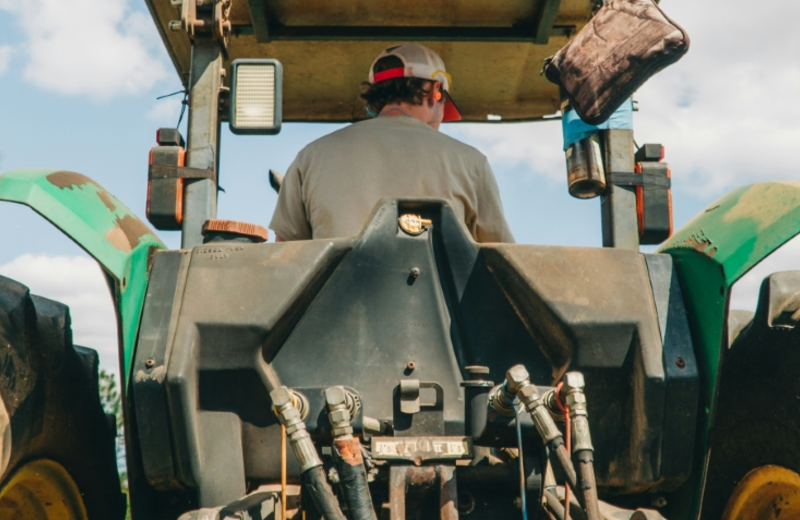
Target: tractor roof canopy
point(493, 50)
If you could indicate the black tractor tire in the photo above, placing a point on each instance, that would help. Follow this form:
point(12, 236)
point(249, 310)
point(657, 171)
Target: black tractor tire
point(758, 413)
point(49, 389)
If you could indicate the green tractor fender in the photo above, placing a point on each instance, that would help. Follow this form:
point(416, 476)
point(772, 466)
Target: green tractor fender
point(711, 252)
point(100, 224)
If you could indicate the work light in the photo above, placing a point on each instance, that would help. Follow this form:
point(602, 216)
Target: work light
point(256, 96)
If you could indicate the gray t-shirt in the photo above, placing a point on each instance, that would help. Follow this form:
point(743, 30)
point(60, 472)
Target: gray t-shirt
point(334, 183)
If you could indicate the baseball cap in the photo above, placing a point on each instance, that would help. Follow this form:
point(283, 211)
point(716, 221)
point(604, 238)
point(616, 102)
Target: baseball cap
point(418, 62)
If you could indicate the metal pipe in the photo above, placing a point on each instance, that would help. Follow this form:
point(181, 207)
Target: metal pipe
point(200, 195)
point(349, 461)
point(314, 479)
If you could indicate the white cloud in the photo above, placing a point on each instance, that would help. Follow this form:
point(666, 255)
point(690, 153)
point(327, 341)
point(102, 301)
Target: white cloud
point(166, 111)
point(728, 112)
point(5, 57)
point(78, 282)
point(99, 48)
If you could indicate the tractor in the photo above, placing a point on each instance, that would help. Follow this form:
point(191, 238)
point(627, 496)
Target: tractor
point(408, 371)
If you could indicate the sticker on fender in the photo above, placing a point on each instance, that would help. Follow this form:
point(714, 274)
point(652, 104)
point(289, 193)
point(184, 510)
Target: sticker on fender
point(422, 448)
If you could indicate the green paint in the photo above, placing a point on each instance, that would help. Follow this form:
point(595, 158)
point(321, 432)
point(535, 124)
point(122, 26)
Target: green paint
point(711, 253)
point(101, 225)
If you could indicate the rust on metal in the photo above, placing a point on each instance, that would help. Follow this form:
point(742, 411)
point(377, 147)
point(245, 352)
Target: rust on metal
point(254, 231)
point(158, 374)
point(350, 451)
point(412, 483)
point(127, 233)
point(105, 198)
point(69, 180)
point(448, 492)
point(701, 243)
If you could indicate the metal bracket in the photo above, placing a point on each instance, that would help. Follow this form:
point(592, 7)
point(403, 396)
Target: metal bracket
point(639, 179)
point(409, 396)
point(205, 20)
point(158, 171)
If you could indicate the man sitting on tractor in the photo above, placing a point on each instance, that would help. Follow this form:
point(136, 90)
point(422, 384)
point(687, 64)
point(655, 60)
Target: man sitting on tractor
point(334, 183)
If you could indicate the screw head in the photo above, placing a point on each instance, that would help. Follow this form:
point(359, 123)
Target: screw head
point(411, 366)
point(149, 363)
point(680, 362)
point(414, 273)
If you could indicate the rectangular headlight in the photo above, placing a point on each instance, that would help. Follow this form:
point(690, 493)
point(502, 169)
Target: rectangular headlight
point(256, 96)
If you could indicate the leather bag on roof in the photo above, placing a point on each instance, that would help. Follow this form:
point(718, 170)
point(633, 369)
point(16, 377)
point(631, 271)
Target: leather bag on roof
point(624, 44)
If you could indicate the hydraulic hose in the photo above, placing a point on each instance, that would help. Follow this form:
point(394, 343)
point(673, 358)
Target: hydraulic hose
point(313, 476)
point(316, 483)
point(554, 504)
point(588, 484)
point(518, 386)
point(349, 460)
point(561, 456)
point(572, 390)
point(353, 478)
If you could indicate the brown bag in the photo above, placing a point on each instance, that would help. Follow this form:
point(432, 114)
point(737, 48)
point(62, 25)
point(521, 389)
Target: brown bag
point(621, 47)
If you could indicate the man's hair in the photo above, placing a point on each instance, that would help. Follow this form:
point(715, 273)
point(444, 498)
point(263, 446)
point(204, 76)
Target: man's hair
point(395, 90)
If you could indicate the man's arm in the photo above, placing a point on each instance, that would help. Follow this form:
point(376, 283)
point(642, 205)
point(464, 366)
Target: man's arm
point(290, 220)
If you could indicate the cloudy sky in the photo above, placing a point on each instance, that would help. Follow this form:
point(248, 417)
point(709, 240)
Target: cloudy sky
point(78, 88)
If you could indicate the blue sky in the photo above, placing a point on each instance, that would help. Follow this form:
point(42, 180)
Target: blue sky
point(70, 99)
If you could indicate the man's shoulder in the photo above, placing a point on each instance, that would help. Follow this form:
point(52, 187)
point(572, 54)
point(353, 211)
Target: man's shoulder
point(378, 129)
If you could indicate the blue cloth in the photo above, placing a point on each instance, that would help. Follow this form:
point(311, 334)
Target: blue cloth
point(575, 128)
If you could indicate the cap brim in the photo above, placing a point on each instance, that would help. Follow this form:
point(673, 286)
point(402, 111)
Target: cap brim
point(451, 112)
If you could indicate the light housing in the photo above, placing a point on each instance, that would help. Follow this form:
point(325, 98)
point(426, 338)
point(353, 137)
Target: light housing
point(256, 96)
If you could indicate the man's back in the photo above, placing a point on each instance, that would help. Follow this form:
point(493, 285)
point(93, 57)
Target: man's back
point(334, 183)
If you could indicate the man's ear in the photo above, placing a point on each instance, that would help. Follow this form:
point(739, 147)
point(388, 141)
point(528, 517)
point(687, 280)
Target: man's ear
point(436, 93)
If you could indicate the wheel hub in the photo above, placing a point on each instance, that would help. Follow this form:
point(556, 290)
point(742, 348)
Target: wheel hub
point(765, 493)
point(41, 490)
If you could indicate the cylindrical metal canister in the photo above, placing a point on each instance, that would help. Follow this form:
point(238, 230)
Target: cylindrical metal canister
point(585, 173)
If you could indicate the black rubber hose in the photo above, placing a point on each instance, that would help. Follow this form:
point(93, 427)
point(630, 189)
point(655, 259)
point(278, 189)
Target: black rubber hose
point(353, 479)
point(588, 484)
point(315, 482)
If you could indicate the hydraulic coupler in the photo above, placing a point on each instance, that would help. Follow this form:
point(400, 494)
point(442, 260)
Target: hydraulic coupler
point(349, 460)
point(571, 391)
point(314, 480)
point(518, 388)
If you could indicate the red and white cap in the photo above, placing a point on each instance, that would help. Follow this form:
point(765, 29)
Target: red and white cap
point(418, 62)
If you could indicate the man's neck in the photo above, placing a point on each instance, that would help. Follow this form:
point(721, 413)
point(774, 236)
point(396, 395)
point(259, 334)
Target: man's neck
point(421, 112)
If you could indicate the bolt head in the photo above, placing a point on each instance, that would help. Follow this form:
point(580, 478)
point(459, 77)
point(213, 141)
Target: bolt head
point(573, 381)
point(528, 393)
point(339, 416)
point(290, 414)
point(516, 377)
point(281, 397)
point(335, 395)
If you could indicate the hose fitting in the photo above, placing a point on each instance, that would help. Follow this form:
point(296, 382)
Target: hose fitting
point(518, 384)
point(339, 416)
point(288, 414)
point(349, 460)
point(573, 393)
